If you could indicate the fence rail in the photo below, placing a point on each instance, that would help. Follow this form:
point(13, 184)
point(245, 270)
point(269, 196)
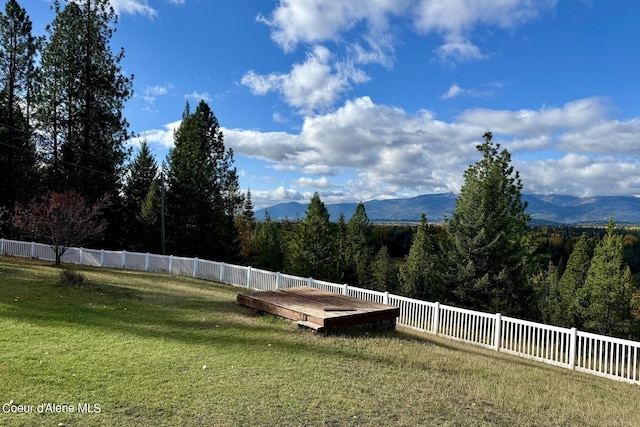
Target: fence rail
point(600, 355)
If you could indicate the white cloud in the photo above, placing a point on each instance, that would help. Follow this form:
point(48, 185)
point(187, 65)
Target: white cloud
point(459, 50)
point(315, 21)
point(197, 96)
point(314, 84)
point(581, 175)
point(295, 22)
point(378, 151)
point(264, 198)
point(322, 182)
point(133, 7)
point(389, 152)
point(454, 90)
point(161, 137)
point(578, 114)
point(150, 93)
point(604, 137)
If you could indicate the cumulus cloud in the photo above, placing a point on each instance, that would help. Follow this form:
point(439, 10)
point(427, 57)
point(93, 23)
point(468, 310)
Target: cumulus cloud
point(315, 21)
point(295, 22)
point(578, 114)
point(454, 90)
point(264, 198)
point(133, 7)
point(389, 152)
point(323, 182)
point(314, 84)
point(362, 33)
point(160, 137)
point(198, 96)
point(151, 93)
point(364, 151)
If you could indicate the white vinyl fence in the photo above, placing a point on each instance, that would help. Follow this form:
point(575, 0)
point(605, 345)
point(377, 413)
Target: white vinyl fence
point(613, 358)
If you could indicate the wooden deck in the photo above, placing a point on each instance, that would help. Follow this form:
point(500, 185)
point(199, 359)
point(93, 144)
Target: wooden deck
point(319, 310)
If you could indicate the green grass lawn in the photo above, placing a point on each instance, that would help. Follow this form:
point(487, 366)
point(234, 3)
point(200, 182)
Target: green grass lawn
point(156, 350)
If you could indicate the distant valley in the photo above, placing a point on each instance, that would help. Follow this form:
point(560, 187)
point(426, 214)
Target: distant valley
point(544, 209)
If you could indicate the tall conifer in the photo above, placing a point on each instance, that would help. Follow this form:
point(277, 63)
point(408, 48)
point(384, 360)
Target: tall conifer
point(489, 239)
point(203, 196)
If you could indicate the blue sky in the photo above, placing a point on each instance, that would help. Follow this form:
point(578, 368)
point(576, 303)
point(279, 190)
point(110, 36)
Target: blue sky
point(362, 100)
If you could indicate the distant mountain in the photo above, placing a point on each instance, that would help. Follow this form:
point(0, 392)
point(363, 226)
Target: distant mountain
point(544, 209)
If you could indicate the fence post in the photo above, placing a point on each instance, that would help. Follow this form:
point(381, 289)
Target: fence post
point(573, 349)
point(278, 280)
point(310, 282)
point(81, 256)
point(222, 273)
point(435, 321)
point(195, 267)
point(33, 249)
point(146, 262)
point(124, 259)
point(249, 277)
point(345, 289)
point(101, 257)
point(497, 332)
point(385, 298)
point(170, 264)
point(1, 246)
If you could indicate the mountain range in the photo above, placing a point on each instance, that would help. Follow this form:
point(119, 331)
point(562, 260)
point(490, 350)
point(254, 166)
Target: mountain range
point(543, 209)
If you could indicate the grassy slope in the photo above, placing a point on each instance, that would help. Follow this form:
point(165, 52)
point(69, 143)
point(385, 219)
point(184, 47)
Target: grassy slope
point(138, 343)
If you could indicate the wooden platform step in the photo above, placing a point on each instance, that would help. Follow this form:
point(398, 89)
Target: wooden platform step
point(310, 325)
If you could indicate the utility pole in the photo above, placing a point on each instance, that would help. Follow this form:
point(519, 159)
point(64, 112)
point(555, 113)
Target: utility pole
point(162, 209)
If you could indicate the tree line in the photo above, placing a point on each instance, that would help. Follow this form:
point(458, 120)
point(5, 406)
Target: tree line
point(64, 144)
point(64, 156)
point(485, 257)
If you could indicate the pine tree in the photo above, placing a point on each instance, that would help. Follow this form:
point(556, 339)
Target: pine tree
point(269, 245)
point(489, 240)
point(312, 250)
point(609, 289)
point(149, 218)
point(18, 48)
point(545, 285)
point(246, 225)
point(419, 274)
point(203, 195)
point(572, 295)
point(81, 100)
point(382, 271)
point(359, 248)
point(141, 174)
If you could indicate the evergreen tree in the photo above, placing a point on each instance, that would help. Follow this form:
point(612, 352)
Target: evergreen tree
point(609, 289)
point(18, 48)
point(246, 225)
point(489, 240)
point(141, 175)
point(81, 101)
point(269, 245)
point(358, 248)
point(341, 263)
point(149, 218)
point(382, 271)
point(572, 295)
point(419, 274)
point(312, 250)
point(545, 285)
point(203, 195)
